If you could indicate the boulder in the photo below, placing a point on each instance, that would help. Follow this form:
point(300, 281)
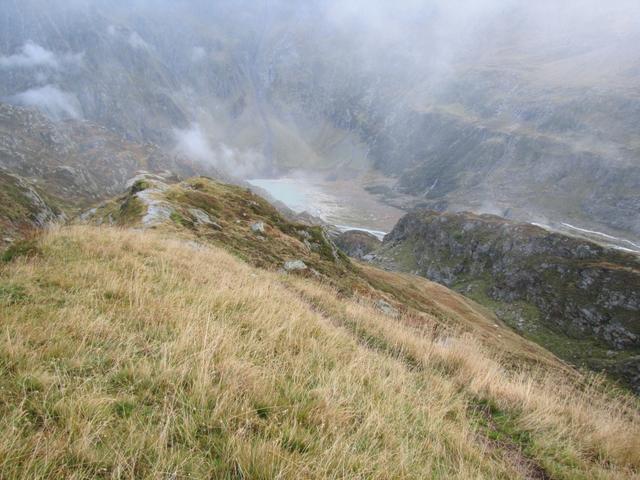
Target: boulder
point(294, 265)
point(258, 228)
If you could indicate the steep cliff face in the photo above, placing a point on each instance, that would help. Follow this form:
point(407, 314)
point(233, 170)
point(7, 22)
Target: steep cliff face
point(557, 289)
point(462, 163)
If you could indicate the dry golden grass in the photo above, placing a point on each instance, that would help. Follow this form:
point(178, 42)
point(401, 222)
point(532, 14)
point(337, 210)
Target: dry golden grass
point(124, 354)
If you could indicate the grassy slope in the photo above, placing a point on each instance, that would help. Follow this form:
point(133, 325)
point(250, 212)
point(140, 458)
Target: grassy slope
point(236, 209)
point(128, 354)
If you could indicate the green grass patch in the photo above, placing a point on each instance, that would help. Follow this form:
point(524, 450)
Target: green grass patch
point(22, 248)
point(11, 294)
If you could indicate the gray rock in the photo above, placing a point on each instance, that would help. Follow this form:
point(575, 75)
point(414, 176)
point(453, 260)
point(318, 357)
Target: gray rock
point(88, 214)
point(258, 227)
point(294, 265)
point(200, 217)
point(158, 211)
point(386, 308)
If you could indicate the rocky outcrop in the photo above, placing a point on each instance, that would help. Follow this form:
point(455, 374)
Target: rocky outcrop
point(227, 215)
point(23, 207)
point(357, 243)
point(576, 288)
point(294, 265)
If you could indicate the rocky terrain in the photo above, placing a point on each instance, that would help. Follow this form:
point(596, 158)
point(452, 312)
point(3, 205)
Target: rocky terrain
point(55, 170)
point(356, 243)
point(575, 297)
point(78, 161)
point(160, 319)
point(226, 215)
point(23, 208)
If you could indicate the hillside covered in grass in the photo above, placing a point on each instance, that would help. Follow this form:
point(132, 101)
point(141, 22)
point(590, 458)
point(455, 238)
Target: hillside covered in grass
point(156, 354)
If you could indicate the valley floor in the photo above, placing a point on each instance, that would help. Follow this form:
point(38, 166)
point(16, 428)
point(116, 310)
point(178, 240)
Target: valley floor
point(129, 354)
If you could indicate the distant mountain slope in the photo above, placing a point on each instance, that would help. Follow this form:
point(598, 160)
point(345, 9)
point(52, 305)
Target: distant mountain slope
point(78, 161)
point(577, 298)
point(534, 121)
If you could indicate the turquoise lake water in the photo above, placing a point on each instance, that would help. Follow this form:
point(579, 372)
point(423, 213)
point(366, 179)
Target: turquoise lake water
point(347, 210)
point(294, 194)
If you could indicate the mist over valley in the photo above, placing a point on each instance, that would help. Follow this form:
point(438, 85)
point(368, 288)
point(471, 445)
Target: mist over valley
point(527, 111)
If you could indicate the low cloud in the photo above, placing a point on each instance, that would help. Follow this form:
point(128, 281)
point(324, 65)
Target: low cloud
point(33, 55)
point(198, 54)
point(241, 163)
point(136, 41)
point(491, 208)
point(52, 101)
point(194, 144)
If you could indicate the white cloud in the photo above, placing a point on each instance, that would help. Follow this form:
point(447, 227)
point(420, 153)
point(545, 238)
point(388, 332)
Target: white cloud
point(131, 37)
point(50, 100)
point(194, 144)
point(33, 55)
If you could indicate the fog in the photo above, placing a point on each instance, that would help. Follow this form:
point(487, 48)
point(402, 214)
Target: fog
point(432, 31)
point(426, 38)
point(52, 101)
point(194, 144)
point(32, 55)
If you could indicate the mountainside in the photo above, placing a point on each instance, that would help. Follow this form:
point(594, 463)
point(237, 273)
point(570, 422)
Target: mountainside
point(161, 318)
point(528, 111)
point(229, 216)
point(577, 298)
point(149, 351)
point(76, 161)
